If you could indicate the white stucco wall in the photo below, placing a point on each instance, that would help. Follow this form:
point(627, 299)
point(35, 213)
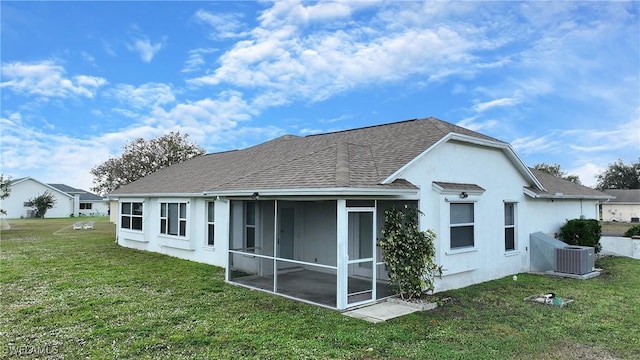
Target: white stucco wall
point(549, 215)
point(620, 212)
point(492, 170)
point(620, 246)
point(97, 208)
point(191, 247)
point(22, 191)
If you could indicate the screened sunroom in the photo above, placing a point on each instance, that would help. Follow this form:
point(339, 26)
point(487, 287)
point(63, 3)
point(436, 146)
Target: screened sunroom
point(318, 251)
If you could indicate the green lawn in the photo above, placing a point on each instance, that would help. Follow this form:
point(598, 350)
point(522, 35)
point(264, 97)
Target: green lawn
point(614, 227)
point(76, 294)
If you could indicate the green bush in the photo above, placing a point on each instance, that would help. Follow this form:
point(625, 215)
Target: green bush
point(409, 253)
point(582, 232)
point(633, 231)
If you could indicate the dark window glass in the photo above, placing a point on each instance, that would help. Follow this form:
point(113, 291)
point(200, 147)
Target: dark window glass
point(462, 236)
point(210, 234)
point(126, 208)
point(136, 223)
point(509, 239)
point(125, 222)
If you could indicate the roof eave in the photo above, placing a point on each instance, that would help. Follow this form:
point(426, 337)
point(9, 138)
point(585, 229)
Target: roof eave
point(340, 191)
point(559, 196)
point(143, 195)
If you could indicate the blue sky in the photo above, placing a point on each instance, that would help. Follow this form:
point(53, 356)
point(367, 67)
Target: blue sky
point(560, 81)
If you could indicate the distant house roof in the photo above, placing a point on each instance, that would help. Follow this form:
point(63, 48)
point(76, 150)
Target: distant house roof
point(84, 195)
point(557, 187)
point(626, 196)
point(27, 178)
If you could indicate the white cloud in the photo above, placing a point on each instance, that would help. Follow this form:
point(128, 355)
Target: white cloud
point(502, 102)
point(48, 79)
point(145, 48)
point(24, 149)
point(624, 136)
point(324, 63)
point(144, 96)
point(294, 12)
point(479, 126)
point(587, 173)
point(532, 144)
point(196, 59)
point(224, 25)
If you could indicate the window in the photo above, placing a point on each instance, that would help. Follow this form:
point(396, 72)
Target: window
point(85, 206)
point(131, 215)
point(461, 225)
point(250, 225)
point(211, 216)
point(173, 219)
point(509, 226)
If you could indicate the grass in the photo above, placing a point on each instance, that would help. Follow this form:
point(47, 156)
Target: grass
point(76, 294)
point(614, 227)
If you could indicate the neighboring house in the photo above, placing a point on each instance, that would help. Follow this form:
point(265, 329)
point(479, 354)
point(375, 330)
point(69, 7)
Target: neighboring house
point(26, 188)
point(69, 201)
point(625, 207)
point(300, 216)
point(89, 204)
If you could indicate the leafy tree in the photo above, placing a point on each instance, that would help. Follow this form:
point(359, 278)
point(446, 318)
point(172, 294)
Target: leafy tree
point(620, 176)
point(556, 170)
point(408, 252)
point(5, 190)
point(42, 203)
point(142, 157)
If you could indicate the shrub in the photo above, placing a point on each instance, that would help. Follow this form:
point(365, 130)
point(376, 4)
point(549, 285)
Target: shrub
point(408, 252)
point(582, 232)
point(633, 231)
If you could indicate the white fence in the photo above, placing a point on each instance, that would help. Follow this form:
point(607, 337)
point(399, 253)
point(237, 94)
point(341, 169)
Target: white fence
point(620, 246)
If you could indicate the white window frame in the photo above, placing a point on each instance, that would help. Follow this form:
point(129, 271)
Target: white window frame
point(131, 216)
point(510, 226)
point(466, 224)
point(165, 219)
point(211, 224)
point(86, 206)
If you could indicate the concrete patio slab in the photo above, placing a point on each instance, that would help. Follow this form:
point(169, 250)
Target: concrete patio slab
point(380, 312)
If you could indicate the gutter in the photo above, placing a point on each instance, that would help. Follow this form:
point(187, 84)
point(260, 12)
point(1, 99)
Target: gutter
point(315, 192)
point(565, 197)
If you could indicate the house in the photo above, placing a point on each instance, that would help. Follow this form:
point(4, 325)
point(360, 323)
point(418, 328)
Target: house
point(300, 216)
point(26, 188)
point(624, 207)
point(89, 204)
point(69, 201)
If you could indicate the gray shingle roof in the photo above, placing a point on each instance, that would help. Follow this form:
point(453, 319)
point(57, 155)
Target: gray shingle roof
point(626, 196)
point(358, 158)
point(84, 195)
point(458, 186)
point(559, 187)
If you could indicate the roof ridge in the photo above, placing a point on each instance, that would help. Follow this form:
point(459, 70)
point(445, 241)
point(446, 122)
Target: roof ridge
point(364, 127)
point(342, 164)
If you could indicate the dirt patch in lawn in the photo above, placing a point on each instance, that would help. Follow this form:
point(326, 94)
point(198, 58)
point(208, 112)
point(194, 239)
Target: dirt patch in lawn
point(571, 351)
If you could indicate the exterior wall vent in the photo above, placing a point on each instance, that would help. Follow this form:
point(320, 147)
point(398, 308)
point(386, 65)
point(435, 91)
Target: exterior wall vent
point(577, 260)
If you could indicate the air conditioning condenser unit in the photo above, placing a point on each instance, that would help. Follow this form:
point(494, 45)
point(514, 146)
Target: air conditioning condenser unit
point(577, 260)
